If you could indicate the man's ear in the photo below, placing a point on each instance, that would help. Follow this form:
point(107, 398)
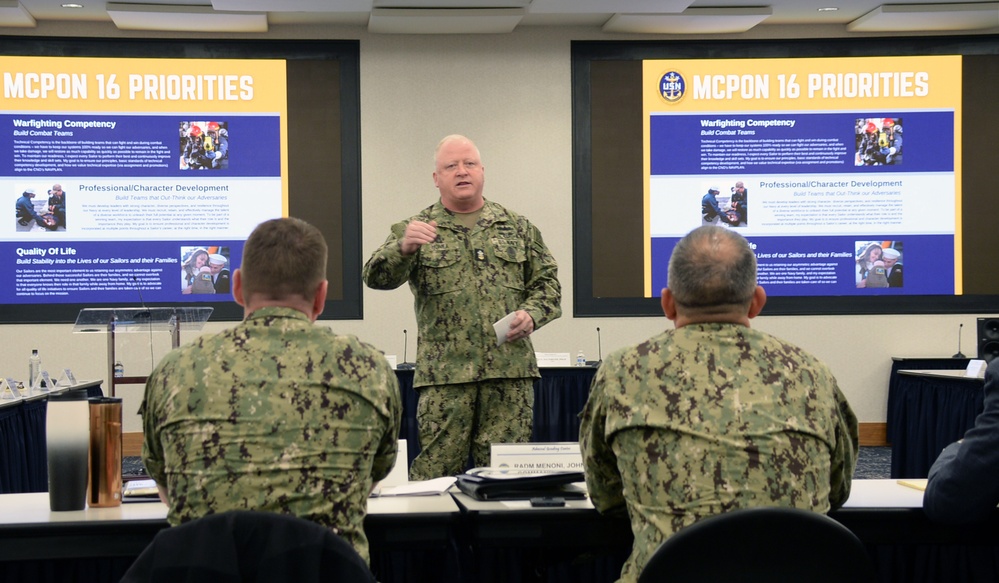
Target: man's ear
point(669, 304)
point(319, 301)
point(237, 287)
point(759, 300)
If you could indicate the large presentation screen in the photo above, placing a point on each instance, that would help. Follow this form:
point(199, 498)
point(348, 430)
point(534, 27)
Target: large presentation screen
point(823, 164)
point(856, 171)
point(119, 191)
point(135, 181)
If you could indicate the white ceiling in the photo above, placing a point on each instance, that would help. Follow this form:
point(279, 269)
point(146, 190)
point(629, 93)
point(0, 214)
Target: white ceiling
point(498, 16)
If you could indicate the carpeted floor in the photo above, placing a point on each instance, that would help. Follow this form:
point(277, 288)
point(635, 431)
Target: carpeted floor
point(872, 463)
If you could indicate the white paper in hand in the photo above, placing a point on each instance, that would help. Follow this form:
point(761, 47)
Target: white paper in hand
point(502, 328)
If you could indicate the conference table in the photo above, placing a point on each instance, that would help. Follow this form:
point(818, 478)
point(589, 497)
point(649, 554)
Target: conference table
point(509, 542)
point(452, 537)
point(929, 409)
point(915, 363)
point(408, 537)
point(512, 538)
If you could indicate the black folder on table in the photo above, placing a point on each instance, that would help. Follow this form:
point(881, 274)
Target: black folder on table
point(499, 484)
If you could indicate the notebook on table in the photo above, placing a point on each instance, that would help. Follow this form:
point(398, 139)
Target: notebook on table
point(502, 484)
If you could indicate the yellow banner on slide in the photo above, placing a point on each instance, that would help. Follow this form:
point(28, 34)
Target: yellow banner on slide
point(807, 84)
point(122, 85)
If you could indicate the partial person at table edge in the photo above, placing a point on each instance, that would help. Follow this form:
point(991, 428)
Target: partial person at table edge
point(963, 483)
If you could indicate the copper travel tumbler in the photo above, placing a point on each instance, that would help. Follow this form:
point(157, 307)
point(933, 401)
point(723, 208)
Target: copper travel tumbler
point(104, 486)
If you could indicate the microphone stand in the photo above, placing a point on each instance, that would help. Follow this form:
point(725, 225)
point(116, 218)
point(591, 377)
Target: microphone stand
point(959, 353)
point(600, 353)
point(406, 365)
point(145, 313)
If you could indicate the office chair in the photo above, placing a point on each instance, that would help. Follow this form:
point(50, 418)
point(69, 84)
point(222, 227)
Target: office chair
point(246, 546)
point(762, 545)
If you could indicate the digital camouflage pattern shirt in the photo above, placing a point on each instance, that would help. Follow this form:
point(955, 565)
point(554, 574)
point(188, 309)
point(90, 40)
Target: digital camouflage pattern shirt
point(276, 414)
point(464, 282)
point(710, 418)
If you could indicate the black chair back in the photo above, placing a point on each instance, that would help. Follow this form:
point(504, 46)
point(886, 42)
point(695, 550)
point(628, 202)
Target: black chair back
point(762, 545)
point(244, 547)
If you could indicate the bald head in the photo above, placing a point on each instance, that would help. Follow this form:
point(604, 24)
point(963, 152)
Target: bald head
point(454, 139)
point(712, 271)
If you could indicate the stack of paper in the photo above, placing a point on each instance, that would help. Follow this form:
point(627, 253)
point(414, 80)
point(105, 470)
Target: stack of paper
point(140, 488)
point(424, 488)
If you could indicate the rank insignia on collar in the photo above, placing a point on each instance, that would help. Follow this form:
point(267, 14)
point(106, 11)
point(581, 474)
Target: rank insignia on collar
point(480, 255)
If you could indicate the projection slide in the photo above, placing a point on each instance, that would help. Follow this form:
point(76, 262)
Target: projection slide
point(135, 179)
point(841, 172)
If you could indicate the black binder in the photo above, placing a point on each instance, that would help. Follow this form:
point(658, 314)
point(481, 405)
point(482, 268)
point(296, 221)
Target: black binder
point(498, 484)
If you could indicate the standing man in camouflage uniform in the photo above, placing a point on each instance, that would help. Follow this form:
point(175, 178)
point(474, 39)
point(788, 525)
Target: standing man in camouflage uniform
point(469, 262)
point(276, 414)
point(713, 416)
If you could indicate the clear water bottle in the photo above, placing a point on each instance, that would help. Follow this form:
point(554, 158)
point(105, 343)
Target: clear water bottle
point(580, 358)
point(34, 367)
point(119, 369)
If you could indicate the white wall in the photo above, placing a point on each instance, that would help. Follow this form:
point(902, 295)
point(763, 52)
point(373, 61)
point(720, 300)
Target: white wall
point(511, 94)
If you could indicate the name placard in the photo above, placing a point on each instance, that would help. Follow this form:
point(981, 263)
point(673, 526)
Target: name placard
point(553, 359)
point(39, 380)
point(8, 390)
point(537, 457)
point(976, 368)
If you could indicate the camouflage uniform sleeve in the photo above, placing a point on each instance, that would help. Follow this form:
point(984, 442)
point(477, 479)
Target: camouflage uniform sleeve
point(603, 481)
point(543, 291)
point(388, 268)
point(388, 446)
point(844, 454)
